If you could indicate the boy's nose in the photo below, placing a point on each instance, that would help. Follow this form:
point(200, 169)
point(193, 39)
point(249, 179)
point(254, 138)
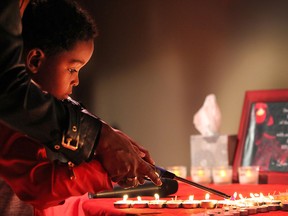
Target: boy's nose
point(75, 81)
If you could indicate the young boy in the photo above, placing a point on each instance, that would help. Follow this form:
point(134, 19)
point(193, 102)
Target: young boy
point(58, 42)
point(35, 179)
point(63, 126)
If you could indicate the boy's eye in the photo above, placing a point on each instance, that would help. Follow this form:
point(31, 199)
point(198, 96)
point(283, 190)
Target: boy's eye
point(72, 70)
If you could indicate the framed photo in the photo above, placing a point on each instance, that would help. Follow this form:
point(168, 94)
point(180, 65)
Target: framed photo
point(263, 135)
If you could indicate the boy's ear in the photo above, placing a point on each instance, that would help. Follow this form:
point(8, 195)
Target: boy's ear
point(34, 60)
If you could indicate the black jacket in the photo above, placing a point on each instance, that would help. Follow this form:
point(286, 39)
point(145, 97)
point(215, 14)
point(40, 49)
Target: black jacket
point(63, 126)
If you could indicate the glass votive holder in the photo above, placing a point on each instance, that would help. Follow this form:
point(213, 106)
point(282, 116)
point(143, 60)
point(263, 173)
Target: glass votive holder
point(248, 174)
point(180, 171)
point(201, 175)
point(222, 175)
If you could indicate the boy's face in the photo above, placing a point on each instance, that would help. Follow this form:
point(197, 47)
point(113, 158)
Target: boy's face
point(58, 74)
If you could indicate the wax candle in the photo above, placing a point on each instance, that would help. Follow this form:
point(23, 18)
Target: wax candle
point(207, 203)
point(174, 203)
point(273, 207)
point(139, 203)
point(251, 209)
point(157, 203)
point(201, 175)
point(124, 203)
point(284, 205)
point(248, 174)
point(222, 175)
point(235, 212)
point(262, 209)
point(243, 212)
point(191, 203)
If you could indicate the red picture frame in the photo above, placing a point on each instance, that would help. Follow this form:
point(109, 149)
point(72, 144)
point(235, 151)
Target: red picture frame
point(251, 98)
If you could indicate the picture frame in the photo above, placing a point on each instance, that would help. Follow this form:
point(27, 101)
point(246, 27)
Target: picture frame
point(262, 138)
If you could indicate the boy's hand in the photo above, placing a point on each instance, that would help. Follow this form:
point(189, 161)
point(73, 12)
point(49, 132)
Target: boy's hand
point(22, 5)
point(127, 163)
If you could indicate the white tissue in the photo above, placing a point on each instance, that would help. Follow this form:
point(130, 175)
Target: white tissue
point(208, 118)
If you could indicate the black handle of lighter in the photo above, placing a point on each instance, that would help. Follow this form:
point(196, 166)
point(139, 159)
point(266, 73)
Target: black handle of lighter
point(164, 173)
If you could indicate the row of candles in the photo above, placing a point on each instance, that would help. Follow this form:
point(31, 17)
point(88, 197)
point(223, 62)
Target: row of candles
point(219, 175)
point(242, 206)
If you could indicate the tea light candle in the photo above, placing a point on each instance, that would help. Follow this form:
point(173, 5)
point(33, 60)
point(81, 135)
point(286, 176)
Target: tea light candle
point(251, 209)
point(139, 203)
point(248, 174)
point(262, 209)
point(235, 213)
point(191, 203)
point(157, 203)
point(273, 207)
point(174, 203)
point(124, 203)
point(225, 203)
point(208, 204)
point(284, 205)
point(243, 212)
point(201, 175)
point(222, 175)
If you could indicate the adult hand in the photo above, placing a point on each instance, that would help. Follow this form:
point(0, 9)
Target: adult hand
point(22, 5)
point(126, 162)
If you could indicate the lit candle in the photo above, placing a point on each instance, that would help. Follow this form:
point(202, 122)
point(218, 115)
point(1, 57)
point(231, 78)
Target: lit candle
point(139, 203)
point(222, 175)
point(207, 203)
point(243, 212)
point(248, 175)
point(174, 203)
point(273, 205)
point(191, 203)
point(284, 205)
point(201, 175)
point(124, 203)
point(262, 209)
point(157, 203)
point(251, 209)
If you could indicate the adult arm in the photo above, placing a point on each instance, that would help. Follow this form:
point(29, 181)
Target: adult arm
point(64, 127)
point(40, 182)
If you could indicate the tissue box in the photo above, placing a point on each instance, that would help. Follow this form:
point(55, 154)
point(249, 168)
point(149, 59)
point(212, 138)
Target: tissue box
point(212, 151)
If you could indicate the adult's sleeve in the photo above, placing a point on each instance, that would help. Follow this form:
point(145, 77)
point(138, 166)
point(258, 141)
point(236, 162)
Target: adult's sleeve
point(40, 182)
point(64, 127)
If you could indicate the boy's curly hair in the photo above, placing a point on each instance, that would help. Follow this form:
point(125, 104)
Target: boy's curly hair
point(56, 25)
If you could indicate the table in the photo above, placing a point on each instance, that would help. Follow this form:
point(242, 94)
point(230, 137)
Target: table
point(82, 206)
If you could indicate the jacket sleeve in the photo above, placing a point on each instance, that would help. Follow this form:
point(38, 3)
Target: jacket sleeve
point(40, 182)
point(63, 127)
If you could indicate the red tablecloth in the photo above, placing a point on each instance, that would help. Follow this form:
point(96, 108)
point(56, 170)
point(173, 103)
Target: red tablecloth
point(82, 206)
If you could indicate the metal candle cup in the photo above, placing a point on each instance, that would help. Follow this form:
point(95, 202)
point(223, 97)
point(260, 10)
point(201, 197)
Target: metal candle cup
point(157, 203)
point(191, 203)
point(207, 203)
point(125, 203)
point(139, 203)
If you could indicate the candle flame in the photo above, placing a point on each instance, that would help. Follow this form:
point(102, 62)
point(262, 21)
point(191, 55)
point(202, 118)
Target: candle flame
point(252, 195)
point(235, 195)
point(139, 198)
point(156, 196)
point(191, 197)
point(207, 196)
point(248, 173)
point(241, 196)
point(125, 197)
point(200, 172)
point(222, 173)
